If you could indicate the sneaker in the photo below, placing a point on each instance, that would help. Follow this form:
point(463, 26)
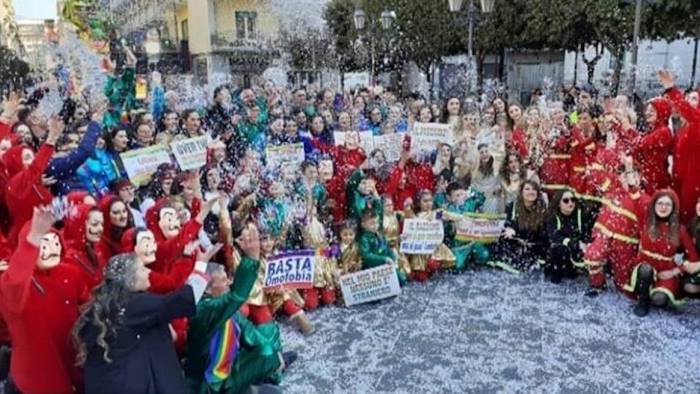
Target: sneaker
point(641, 309)
point(289, 358)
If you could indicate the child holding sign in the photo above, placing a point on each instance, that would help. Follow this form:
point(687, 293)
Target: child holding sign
point(374, 247)
point(424, 265)
point(462, 201)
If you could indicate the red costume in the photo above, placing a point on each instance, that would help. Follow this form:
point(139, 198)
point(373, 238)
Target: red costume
point(40, 308)
point(616, 236)
point(685, 176)
point(582, 151)
point(659, 254)
point(90, 258)
point(652, 150)
point(399, 188)
point(24, 188)
point(518, 142)
point(169, 249)
point(555, 170)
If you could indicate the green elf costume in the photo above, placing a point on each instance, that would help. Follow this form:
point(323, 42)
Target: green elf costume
point(225, 352)
point(375, 249)
point(470, 250)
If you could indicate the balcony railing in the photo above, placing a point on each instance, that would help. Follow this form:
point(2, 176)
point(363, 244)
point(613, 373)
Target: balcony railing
point(228, 40)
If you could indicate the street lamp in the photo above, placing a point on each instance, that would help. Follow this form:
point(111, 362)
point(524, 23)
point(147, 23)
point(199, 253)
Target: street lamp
point(486, 7)
point(387, 19)
point(360, 18)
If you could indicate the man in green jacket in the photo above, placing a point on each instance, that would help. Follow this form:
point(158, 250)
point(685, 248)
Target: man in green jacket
point(225, 352)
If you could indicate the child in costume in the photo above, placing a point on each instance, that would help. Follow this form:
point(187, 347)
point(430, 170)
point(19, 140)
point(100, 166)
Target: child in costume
point(463, 201)
point(314, 236)
point(362, 194)
point(422, 265)
point(262, 305)
point(350, 259)
point(374, 247)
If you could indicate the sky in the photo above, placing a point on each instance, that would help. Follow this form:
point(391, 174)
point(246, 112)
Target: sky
point(35, 9)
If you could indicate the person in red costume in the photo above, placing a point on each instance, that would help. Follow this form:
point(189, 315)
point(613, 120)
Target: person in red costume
point(117, 219)
point(685, 176)
point(653, 148)
point(582, 149)
point(170, 234)
point(86, 249)
point(664, 247)
point(349, 156)
point(616, 231)
point(39, 298)
point(555, 168)
point(27, 187)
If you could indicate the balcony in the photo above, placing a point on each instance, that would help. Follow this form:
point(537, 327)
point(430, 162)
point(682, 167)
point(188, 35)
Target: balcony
point(227, 40)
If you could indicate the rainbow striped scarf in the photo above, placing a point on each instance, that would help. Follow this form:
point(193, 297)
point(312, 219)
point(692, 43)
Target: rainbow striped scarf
point(222, 351)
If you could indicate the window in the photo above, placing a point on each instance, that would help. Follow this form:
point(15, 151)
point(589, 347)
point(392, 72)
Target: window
point(245, 25)
point(184, 30)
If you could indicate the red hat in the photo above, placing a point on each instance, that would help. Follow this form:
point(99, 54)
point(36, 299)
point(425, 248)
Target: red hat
point(663, 110)
point(13, 160)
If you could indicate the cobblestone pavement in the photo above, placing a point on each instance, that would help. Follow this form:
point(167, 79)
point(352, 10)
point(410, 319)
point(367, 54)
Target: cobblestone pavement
point(492, 332)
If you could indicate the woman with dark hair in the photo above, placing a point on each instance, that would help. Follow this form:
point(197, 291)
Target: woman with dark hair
point(192, 125)
point(513, 174)
point(425, 114)
point(522, 243)
point(499, 105)
point(116, 143)
point(664, 245)
point(161, 185)
point(568, 228)
point(117, 219)
point(122, 335)
point(86, 249)
point(451, 112)
point(321, 137)
point(375, 119)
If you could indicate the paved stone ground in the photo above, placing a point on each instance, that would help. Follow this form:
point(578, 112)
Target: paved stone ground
point(492, 332)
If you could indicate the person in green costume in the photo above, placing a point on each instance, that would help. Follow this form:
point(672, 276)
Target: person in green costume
point(120, 91)
point(463, 201)
point(361, 195)
point(225, 352)
point(374, 248)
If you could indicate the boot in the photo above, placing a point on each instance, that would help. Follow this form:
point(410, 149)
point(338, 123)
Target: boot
point(645, 274)
point(303, 323)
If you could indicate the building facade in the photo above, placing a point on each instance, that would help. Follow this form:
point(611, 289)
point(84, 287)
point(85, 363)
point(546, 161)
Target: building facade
point(205, 37)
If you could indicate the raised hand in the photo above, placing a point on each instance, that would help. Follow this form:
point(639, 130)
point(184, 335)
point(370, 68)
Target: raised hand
point(667, 79)
point(205, 257)
point(42, 221)
point(56, 127)
point(249, 242)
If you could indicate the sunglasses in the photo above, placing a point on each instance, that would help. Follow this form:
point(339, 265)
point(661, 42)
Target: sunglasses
point(567, 200)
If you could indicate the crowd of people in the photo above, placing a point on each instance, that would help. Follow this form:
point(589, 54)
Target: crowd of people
point(112, 285)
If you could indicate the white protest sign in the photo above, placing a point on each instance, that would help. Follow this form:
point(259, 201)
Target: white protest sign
point(421, 236)
point(292, 154)
point(390, 144)
point(290, 270)
point(370, 285)
point(355, 80)
point(480, 227)
point(140, 164)
point(366, 140)
point(191, 153)
point(426, 136)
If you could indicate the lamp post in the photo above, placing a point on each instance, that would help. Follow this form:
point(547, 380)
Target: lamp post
point(486, 8)
point(635, 47)
point(360, 19)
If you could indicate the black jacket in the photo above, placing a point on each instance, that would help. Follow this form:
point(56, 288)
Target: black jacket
point(142, 352)
point(576, 227)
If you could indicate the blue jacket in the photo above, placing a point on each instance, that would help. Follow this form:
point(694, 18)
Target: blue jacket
point(97, 172)
point(64, 168)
